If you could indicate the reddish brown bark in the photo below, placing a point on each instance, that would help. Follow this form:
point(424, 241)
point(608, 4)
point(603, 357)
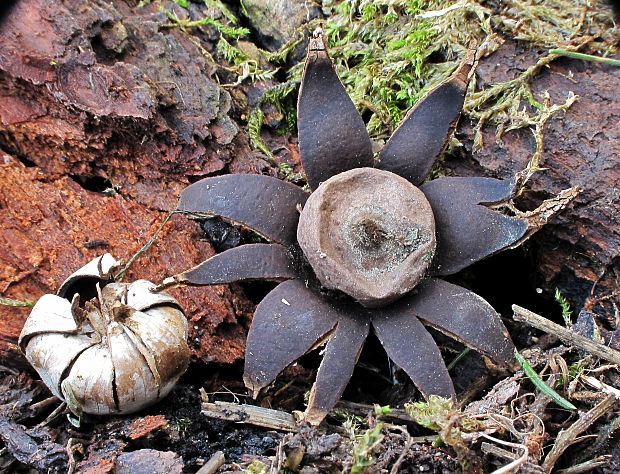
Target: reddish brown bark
point(51, 227)
point(581, 148)
point(100, 90)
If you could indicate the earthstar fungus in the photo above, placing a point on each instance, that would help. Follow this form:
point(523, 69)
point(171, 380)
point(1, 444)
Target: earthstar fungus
point(123, 349)
point(373, 235)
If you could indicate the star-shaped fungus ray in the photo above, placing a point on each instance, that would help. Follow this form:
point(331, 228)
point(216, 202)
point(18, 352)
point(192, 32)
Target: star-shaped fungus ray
point(339, 358)
point(460, 314)
point(332, 134)
point(468, 231)
point(424, 132)
point(266, 205)
point(372, 235)
point(270, 262)
point(412, 348)
point(291, 321)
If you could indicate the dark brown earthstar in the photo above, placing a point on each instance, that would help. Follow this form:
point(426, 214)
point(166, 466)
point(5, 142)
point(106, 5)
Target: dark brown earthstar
point(370, 229)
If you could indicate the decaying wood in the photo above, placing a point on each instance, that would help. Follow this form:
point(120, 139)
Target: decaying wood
point(566, 335)
point(213, 464)
point(241, 413)
point(97, 137)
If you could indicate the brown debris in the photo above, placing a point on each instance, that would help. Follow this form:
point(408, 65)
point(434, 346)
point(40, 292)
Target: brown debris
point(26, 448)
point(569, 436)
point(569, 337)
point(142, 427)
point(149, 461)
point(273, 419)
point(101, 456)
point(93, 94)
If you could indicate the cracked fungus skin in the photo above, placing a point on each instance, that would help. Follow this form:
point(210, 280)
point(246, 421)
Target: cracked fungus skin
point(123, 349)
point(373, 235)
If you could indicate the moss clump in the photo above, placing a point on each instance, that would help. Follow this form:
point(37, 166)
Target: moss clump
point(389, 52)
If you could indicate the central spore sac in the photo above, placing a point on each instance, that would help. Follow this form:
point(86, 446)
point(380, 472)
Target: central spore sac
point(368, 233)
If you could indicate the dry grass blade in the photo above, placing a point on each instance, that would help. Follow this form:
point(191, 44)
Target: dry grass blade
point(408, 442)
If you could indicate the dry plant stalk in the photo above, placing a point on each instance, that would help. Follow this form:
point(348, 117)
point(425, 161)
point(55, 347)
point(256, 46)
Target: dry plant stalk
point(568, 436)
point(566, 335)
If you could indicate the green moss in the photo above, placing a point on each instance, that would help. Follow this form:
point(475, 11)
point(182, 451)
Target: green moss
point(567, 314)
point(363, 444)
point(277, 96)
point(388, 53)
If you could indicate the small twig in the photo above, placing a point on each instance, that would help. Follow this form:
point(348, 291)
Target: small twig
point(514, 464)
point(213, 464)
point(119, 276)
point(569, 436)
point(72, 463)
point(586, 57)
point(52, 416)
point(488, 448)
point(603, 387)
point(587, 466)
point(16, 303)
point(396, 414)
point(38, 407)
point(408, 443)
point(569, 337)
point(241, 413)
point(276, 464)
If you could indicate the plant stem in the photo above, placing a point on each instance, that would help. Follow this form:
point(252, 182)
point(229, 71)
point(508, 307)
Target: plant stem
point(119, 276)
point(16, 303)
point(585, 57)
point(458, 358)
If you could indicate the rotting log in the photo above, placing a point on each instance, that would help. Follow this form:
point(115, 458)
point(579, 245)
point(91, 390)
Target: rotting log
point(104, 118)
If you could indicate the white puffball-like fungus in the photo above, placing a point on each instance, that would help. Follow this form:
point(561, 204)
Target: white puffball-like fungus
point(118, 352)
